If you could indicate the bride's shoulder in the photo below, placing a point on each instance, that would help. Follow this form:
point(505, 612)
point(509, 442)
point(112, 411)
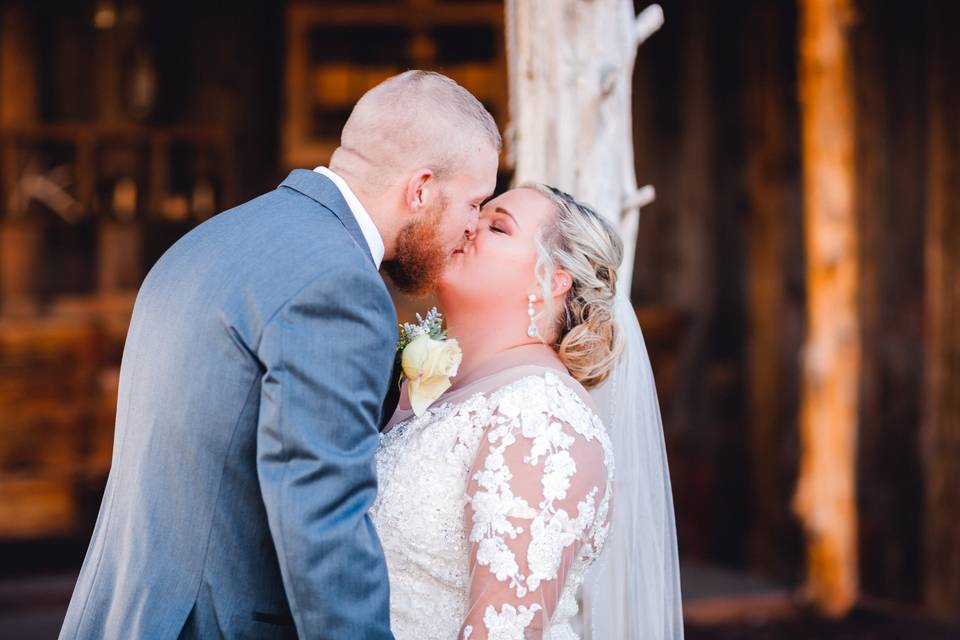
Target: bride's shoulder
point(532, 390)
point(547, 408)
point(535, 376)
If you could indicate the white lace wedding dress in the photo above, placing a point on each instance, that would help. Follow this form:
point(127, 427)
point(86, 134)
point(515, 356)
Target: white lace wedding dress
point(492, 506)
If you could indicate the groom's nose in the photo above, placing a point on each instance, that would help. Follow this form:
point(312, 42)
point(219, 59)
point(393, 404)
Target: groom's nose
point(471, 231)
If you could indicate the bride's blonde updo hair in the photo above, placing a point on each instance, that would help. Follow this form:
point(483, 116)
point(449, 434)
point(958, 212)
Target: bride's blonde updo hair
point(585, 245)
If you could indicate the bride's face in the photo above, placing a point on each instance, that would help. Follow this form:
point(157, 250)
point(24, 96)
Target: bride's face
point(497, 267)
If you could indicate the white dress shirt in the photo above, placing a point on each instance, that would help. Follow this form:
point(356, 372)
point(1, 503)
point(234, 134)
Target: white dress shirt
point(370, 232)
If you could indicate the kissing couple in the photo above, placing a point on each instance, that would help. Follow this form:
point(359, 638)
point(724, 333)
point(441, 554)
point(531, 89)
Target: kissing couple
point(264, 486)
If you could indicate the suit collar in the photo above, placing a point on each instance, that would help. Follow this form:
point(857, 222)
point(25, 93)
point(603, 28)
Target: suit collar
point(320, 188)
point(369, 228)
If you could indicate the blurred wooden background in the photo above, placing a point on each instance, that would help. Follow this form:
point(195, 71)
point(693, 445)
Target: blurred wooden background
point(125, 123)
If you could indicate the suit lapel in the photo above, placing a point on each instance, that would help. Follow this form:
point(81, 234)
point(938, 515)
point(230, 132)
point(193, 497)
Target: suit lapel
point(320, 188)
point(392, 398)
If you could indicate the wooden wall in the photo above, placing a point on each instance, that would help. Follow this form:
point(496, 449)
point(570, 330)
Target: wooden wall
point(890, 67)
point(941, 420)
point(717, 131)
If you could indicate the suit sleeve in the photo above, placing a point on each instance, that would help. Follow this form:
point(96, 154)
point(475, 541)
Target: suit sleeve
point(327, 356)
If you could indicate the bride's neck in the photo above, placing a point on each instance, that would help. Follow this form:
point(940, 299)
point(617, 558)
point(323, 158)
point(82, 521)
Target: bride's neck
point(484, 342)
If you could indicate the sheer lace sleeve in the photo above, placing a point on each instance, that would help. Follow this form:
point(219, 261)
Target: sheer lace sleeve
point(537, 508)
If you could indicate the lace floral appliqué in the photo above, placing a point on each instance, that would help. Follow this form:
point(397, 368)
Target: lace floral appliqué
point(491, 511)
point(543, 420)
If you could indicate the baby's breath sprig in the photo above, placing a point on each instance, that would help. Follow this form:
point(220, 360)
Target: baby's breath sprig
point(432, 325)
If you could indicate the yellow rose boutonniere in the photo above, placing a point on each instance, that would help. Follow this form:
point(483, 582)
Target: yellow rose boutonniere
point(428, 359)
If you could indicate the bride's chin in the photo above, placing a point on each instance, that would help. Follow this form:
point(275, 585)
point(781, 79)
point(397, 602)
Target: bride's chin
point(448, 286)
point(450, 274)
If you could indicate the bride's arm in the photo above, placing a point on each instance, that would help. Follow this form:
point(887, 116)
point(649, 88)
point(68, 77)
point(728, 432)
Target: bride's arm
point(531, 504)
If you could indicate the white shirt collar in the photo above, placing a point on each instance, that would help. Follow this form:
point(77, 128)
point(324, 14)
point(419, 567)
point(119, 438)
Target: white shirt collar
point(370, 232)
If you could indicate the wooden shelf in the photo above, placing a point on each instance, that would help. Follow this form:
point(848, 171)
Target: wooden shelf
point(85, 141)
point(408, 13)
point(58, 390)
point(323, 83)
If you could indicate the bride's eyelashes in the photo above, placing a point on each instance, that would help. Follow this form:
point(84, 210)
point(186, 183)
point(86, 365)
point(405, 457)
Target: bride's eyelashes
point(495, 225)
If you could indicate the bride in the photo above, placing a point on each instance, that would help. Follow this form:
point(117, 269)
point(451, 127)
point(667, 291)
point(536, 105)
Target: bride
point(532, 499)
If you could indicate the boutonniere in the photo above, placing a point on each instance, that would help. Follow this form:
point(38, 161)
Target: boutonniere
point(428, 359)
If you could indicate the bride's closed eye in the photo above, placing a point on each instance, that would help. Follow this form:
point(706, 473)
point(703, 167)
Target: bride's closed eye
point(503, 221)
point(495, 225)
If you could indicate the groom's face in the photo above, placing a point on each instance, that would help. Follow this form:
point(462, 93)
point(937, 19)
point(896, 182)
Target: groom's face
point(426, 244)
point(463, 194)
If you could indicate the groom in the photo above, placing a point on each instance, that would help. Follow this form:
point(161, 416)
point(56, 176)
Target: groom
point(258, 356)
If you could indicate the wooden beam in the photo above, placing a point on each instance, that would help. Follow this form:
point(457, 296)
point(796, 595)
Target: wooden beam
point(107, 74)
point(767, 146)
point(890, 152)
point(18, 77)
point(19, 240)
point(825, 498)
point(407, 14)
point(941, 428)
point(119, 257)
point(19, 265)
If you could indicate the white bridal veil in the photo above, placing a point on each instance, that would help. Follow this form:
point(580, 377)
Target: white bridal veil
point(632, 591)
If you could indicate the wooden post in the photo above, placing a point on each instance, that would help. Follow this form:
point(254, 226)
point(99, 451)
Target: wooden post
point(19, 239)
point(825, 498)
point(571, 68)
point(108, 76)
point(19, 252)
point(118, 257)
point(18, 78)
point(767, 209)
point(941, 429)
point(890, 151)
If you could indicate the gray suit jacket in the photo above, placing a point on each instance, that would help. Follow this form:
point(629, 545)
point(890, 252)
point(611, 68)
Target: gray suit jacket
point(257, 359)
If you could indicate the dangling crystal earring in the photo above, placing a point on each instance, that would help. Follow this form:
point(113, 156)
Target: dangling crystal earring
point(532, 329)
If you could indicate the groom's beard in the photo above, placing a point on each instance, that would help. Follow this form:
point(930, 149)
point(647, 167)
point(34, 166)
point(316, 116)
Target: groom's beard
point(420, 256)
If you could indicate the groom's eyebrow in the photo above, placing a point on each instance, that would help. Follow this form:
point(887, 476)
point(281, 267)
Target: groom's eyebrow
point(502, 210)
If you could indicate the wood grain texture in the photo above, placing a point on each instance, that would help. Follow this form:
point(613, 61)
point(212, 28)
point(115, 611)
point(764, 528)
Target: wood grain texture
point(767, 143)
point(825, 498)
point(941, 429)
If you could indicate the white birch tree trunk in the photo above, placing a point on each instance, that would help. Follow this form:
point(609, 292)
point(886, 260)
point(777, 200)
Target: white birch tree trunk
point(571, 69)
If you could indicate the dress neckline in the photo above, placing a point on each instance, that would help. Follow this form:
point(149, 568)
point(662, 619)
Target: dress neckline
point(524, 357)
point(527, 355)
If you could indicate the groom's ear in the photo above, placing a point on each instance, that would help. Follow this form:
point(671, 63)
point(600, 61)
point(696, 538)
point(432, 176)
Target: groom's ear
point(418, 191)
point(562, 281)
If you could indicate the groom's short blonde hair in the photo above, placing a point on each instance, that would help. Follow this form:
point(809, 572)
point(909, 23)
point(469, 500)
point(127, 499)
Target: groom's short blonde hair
point(417, 119)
